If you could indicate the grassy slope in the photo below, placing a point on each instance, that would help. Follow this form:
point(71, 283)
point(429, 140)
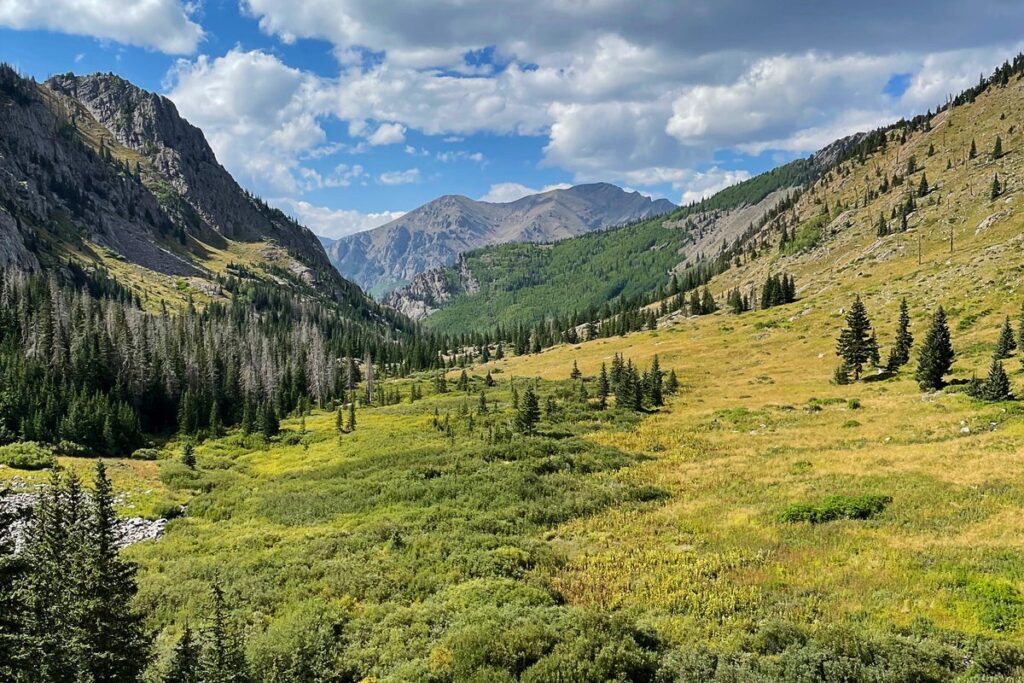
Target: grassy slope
point(760, 426)
point(526, 282)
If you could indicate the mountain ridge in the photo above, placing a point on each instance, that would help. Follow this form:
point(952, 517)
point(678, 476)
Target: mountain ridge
point(436, 233)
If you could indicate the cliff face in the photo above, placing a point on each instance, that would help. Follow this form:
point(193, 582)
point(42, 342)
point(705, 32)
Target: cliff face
point(429, 291)
point(94, 161)
point(436, 233)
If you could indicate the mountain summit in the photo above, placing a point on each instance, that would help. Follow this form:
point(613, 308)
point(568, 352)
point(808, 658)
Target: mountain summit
point(437, 232)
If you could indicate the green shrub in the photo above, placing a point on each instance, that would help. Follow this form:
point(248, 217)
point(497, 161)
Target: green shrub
point(836, 507)
point(27, 455)
point(72, 449)
point(145, 454)
point(167, 510)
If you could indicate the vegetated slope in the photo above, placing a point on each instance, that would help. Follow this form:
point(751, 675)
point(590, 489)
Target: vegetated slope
point(760, 431)
point(436, 233)
point(524, 283)
point(102, 173)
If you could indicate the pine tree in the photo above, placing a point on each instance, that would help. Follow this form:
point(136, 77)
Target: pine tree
point(603, 388)
point(482, 406)
point(672, 383)
point(935, 357)
point(11, 603)
point(856, 344)
point(997, 386)
point(1006, 344)
point(996, 187)
point(351, 426)
point(841, 375)
point(581, 393)
point(529, 412)
point(575, 374)
point(184, 667)
point(899, 354)
point(974, 150)
point(707, 302)
point(117, 645)
point(489, 380)
point(222, 659)
point(922, 188)
point(1020, 328)
point(656, 387)
point(997, 149)
point(188, 455)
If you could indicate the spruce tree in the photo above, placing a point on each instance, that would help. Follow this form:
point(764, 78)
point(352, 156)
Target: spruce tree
point(482, 405)
point(997, 149)
point(529, 412)
point(116, 642)
point(188, 455)
point(899, 354)
point(656, 387)
point(351, 427)
point(339, 414)
point(922, 189)
point(11, 604)
point(222, 659)
point(856, 344)
point(974, 150)
point(269, 424)
point(575, 374)
point(707, 302)
point(996, 187)
point(1006, 344)
point(603, 388)
point(935, 357)
point(997, 386)
point(184, 666)
point(672, 383)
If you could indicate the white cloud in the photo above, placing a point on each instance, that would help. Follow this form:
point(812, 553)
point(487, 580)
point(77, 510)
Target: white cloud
point(259, 115)
point(407, 177)
point(163, 25)
point(502, 193)
point(335, 223)
point(387, 134)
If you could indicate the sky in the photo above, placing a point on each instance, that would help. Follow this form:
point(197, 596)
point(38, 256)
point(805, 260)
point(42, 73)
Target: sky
point(347, 113)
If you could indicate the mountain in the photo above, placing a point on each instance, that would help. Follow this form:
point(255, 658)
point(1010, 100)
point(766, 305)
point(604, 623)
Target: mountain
point(96, 171)
point(437, 232)
point(524, 283)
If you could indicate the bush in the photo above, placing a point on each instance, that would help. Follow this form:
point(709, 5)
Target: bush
point(168, 510)
point(145, 454)
point(27, 455)
point(72, 449)
point(836, 507)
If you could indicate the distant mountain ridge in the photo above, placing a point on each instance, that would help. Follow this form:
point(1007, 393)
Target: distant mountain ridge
point(436, 233)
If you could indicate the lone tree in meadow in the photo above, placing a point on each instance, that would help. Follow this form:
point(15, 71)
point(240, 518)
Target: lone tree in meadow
point(529, 412)
point(1006, 344)
point(935, 356)
point(575, 374)
point(856, 344)
point(188, 455)
point(899, 354)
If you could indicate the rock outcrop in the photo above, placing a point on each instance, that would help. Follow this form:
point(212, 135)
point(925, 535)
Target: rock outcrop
point(429, 291)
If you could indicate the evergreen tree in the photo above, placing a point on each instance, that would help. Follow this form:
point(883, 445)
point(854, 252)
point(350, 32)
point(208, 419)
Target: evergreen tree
point(603, 388)
point(184, 667)
point(922, 188)
point(935, 357)
point(996, 187)
point(856, 344)
point(707, 302)
point(351, 427)
point(997, 386)
point(997, 149)
point(974, 150)
point(188, 455)
point(1006, 344)
point(672, 383)
point(655, 384)
point(482, 406)
point(575, 374)
point(489, 380)
point(11, 607)
point(222, 659)
point(118, 647)
point(841, 375)
point(339, 415)
point(899, 354)
point(529, 412)
point(269, 424)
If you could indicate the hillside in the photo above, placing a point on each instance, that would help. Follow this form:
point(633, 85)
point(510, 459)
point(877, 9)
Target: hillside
point(436, 233)
point(525, 283)
point(99, 172)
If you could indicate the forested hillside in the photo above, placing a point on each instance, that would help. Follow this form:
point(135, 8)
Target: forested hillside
point(526, 283)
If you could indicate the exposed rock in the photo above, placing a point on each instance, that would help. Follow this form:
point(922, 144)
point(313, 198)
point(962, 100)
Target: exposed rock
point(433, 235)
point(129, 530)
point(429, 291)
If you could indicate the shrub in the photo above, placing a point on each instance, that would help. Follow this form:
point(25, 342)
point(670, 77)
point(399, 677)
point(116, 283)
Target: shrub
point(836, 507)
point(72, 449)
point(145, 454)
point(168, 510)
point(853, 404)
point(27, 455)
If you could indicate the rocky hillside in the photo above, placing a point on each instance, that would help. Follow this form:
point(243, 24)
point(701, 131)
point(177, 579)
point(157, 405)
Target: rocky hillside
point(98, 171)
point(435, 234)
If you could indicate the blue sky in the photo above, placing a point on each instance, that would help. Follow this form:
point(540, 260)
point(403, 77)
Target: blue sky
point(346, 113)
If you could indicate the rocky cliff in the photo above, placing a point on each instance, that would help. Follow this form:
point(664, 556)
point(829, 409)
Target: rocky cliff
point(429, 291)
point(436, 233)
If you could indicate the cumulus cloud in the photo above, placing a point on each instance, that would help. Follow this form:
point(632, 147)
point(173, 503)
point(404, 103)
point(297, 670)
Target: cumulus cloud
point(163, 25)
point(502, 193)
point(335, 223)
